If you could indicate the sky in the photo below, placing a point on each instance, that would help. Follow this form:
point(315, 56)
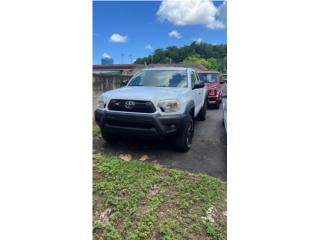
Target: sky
point(126, 30)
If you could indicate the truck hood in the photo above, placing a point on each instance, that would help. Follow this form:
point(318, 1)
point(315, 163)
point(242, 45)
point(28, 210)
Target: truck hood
point(145, 93)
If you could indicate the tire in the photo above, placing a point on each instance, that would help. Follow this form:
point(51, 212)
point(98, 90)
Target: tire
point(184, 139)
point(216, 105)
point(110, 138)
point(203, 112)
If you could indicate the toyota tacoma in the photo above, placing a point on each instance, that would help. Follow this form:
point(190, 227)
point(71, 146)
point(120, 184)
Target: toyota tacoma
point(156, 102)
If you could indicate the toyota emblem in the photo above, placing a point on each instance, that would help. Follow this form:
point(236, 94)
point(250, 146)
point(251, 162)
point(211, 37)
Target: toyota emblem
point(129, 104)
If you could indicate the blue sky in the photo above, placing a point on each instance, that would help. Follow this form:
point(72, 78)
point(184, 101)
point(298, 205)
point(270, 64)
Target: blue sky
point(129, 27)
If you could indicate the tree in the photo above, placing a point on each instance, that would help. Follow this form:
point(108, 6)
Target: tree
point(196, 59)
point(213, 62)
point(213, 57)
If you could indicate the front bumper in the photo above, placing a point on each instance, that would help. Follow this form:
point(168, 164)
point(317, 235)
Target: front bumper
point(147, 125)
point(213, 99)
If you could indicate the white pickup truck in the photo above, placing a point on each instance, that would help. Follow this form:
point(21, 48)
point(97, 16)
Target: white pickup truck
point(156, 102)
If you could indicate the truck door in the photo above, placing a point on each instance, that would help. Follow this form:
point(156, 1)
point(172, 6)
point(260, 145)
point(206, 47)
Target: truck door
point(196, 92)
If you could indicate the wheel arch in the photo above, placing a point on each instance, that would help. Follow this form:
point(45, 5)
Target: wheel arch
point(190, 109)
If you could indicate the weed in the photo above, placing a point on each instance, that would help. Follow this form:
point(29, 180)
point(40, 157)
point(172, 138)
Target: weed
point(96, 131)
point(149, 201)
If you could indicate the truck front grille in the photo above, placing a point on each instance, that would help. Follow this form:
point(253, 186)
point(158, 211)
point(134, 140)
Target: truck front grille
point(131, 106)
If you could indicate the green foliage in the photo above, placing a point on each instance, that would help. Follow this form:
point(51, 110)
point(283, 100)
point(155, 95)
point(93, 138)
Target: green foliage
point(111, 233)
point(96, 131)
point(148, 200)
point(213, 63)
point(210, 63)
point(209, 55)
point(214, 232)
point(166, 229)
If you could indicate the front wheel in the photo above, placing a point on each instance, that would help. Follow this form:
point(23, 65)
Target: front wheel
point(184, 139)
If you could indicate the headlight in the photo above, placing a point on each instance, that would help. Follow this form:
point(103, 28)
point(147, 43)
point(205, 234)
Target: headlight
point(101, 103)
point(169, 105)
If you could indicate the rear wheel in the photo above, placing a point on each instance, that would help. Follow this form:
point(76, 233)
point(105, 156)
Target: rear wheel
point(203, 112)
point(184, 140)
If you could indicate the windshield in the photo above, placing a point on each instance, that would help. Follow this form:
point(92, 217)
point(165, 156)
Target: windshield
point(160, 78)
point(208, 77)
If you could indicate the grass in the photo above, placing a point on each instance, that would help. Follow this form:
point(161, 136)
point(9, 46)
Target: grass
point(96, 130)
point(146, 201)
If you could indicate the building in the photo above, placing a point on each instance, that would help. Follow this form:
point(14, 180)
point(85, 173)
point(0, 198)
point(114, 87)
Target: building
point(106, 59)
point(131, 69)
point(117, 69)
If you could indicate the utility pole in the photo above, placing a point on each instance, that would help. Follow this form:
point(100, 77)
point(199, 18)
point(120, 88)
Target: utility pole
point(130, 56)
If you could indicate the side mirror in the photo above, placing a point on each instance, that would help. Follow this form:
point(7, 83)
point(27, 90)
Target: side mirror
point(198, 85)
point(125, 82)
point(222, 81)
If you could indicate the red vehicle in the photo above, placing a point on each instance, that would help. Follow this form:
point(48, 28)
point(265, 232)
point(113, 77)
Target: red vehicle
point(213, 84)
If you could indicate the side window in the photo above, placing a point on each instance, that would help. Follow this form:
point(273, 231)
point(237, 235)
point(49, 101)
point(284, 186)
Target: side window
point(198, 79)
point(193, 79)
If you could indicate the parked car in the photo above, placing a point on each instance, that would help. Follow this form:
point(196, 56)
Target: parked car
point(213, 82)
point(224, 106)
point(156, 102)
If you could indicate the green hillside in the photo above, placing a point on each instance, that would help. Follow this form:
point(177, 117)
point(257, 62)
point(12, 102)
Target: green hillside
point(213, 57)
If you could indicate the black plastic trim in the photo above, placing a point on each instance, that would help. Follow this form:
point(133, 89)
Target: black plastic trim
point(140, 124)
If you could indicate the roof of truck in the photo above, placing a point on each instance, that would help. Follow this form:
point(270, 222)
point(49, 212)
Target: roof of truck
point(197, 67)
point(167, 68)
point(213, 71)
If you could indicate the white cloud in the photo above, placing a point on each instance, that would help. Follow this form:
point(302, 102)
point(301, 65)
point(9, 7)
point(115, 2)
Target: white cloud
point(191, 12)
point(117, 38)
point(198, 40)
point(175, 34)
point(148, 46)
point(106, 55)
point(222, 13)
